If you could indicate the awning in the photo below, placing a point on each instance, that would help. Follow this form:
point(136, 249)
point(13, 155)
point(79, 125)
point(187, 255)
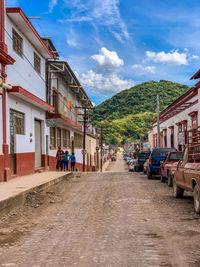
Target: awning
point(30, 98)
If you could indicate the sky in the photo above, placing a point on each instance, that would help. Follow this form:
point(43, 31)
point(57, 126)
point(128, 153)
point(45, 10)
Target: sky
point(112, 45)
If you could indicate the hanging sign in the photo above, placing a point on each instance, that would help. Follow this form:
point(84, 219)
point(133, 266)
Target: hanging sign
point(51, 122)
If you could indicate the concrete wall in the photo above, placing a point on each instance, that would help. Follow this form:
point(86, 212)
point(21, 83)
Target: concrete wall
point(22, 73)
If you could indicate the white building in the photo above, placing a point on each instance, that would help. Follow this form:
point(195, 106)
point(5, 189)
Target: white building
point(26, 104)
point(179, 117)
point(66, 95)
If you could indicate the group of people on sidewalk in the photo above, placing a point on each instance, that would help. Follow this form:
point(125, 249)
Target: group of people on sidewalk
point(63, 160)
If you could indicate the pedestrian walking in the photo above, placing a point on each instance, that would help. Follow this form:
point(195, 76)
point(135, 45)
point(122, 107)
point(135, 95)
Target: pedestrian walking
point(73, 161)
point(60, 157)
point(66, 160)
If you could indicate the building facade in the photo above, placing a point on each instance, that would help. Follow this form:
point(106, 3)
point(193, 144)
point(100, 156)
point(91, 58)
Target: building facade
point(41, 101)
point(179, 117)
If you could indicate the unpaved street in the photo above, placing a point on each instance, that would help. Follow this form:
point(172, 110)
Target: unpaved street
point(109, 219)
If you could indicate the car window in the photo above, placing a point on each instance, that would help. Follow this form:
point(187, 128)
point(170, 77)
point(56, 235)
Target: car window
point(160, 152)
point(175, 156)
point(144, 155)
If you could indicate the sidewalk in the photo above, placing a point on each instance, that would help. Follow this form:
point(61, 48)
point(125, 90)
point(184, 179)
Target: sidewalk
point(14, 192)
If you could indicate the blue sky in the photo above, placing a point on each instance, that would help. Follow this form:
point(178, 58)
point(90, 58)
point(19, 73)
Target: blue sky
point(112, 44)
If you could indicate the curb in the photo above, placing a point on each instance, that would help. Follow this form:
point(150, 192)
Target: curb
point(20, 198)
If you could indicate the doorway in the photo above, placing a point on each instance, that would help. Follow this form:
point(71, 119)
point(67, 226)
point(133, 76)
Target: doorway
point(38, 145)
point(16, 127)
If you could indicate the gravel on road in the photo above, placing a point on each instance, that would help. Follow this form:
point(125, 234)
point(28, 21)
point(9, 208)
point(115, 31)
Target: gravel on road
point(102, 219)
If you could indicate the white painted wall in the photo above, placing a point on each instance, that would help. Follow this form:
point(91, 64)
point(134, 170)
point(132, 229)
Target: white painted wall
point(22, 72)
point(177, 118)
point(23, 144)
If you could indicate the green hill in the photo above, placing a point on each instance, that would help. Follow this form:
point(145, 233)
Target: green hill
point(129, 113)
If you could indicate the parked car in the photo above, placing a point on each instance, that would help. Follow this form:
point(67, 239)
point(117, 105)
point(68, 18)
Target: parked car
point(128, 159)
point(145, 166)
point(171, 158)
point(131, 165)
point(156, 158)
point(113, 158)
point(140, 160)
point(187, 174)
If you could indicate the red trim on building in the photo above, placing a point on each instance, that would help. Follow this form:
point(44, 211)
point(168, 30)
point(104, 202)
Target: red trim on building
point(4, 57)
point(19, 11)
point(20, 90)
point(60, 116)
point(196, 75)
point(179, 105)
point(193, 113)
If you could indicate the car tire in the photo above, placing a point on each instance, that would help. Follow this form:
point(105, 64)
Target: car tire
point(170, 180)
point(177, 191)
point(196, 198)
point(149, 175)
point(162, 178)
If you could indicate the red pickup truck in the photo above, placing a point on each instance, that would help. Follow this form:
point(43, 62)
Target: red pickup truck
point(165, 169)
point(187, 173)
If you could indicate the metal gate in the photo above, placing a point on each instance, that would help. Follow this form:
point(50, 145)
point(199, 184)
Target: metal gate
point(38, 145)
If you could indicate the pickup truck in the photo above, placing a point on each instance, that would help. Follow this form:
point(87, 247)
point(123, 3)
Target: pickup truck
point(165, 168)
point(187, 173)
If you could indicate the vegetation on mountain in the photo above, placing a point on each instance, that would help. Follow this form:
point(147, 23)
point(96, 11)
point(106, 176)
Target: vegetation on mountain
point(129, 113)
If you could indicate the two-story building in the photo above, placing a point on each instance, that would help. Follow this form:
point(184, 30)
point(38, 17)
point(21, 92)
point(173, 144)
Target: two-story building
point(179, 117)
point(66, 95)
point(26, 106)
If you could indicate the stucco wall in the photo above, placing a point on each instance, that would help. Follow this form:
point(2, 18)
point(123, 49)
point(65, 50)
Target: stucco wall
point(23, 144)
point(22, 73)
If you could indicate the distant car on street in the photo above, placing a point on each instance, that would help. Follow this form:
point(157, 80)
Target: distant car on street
point(156, 158)
point(131, 165)
point(140, 160)
point(165, 168)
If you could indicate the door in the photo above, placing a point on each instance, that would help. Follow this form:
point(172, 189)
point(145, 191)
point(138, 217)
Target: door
point(38, 144)
point(12, 144)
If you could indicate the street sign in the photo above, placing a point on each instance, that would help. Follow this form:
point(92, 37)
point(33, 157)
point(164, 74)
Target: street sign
point(51, 123)
point(84, 151)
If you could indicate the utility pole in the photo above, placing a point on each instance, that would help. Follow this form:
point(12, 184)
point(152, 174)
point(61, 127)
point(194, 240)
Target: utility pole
point(158, 121)
point(84, 137)
point(101, 148)
point(85, 119)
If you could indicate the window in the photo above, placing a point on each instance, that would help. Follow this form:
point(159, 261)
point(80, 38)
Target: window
point(17, 43)
point(52, 137)
point(58, 137)
point(78, 140)
point(37, 63)
point(17, 121)
point(66, 138)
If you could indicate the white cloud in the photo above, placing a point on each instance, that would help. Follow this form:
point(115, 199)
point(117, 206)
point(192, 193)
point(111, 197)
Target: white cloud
point(107, 61)
point(72, 41)
point(172, 58)
point(194, 57)
point(144, 69)
point(52, 4)
point(105, 84)
point(102, 13)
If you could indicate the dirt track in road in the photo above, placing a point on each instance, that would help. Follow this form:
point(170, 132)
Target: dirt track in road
point(103, 219)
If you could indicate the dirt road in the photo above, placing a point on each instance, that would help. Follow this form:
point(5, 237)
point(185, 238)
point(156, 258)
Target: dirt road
point(109, 219)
